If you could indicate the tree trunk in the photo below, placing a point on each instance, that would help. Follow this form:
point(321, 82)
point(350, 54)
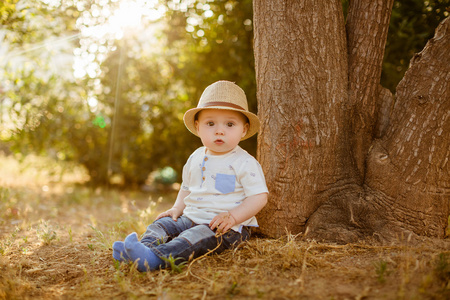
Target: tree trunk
point(367, 27)
point(336, 167)
point(302, 93)
point(408, 176)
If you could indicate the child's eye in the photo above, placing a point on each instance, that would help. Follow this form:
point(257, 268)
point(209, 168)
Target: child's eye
point(230, 124)
point(210, 123)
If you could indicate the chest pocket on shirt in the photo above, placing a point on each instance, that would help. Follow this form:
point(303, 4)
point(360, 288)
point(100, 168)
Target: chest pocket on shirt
point(225, 183)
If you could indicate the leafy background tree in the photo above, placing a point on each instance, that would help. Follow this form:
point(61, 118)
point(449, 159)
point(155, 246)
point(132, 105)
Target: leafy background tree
point(124, 118)
point(412, 24)
point(36, 41)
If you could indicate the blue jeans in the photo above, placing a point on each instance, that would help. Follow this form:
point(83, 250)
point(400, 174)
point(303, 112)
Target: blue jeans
point(185, 239)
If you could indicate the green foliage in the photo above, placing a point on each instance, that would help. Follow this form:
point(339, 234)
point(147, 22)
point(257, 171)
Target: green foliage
point(381, 269)
point(234, 289)
point(174, 266)
point(45, 232)
point(442, 269)
point(30, 22)
point(412, 24)
point(166, 175)
point(100, 238)
point(35, 112)
point(4, 195)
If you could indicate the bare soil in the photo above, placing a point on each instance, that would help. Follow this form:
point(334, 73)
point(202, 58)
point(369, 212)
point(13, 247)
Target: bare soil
point(56, 236)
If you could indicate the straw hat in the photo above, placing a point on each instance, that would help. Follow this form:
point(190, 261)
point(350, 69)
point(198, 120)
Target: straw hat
point(223, 95)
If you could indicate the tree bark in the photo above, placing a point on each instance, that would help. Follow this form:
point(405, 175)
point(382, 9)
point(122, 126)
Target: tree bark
point(367, 28)
point(406, 189)
point(302, 92)
point(340, 166)
point(408, 173)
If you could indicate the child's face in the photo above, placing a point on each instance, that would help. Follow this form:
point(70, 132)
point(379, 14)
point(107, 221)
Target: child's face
point(220, 130)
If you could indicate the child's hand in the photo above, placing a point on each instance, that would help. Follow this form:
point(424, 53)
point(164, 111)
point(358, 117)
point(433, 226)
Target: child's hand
point(174, 212)
point(223, 222)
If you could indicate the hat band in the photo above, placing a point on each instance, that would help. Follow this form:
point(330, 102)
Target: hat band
point(219, 103)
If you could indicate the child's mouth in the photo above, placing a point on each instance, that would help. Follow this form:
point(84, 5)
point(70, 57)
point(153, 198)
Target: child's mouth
point(219, 142)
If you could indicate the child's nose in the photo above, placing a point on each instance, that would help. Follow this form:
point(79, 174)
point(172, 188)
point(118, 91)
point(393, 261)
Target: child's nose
point(219, 130)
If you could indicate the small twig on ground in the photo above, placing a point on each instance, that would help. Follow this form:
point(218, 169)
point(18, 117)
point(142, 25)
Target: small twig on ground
point(302, 275)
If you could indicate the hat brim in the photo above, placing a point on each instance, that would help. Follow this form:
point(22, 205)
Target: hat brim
point(189, 119)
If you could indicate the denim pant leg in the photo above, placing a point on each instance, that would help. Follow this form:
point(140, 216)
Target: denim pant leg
point(165, 229)
point(197, 241)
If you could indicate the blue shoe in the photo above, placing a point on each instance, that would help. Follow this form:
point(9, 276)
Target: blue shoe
point(145, 259)
point(119, 252)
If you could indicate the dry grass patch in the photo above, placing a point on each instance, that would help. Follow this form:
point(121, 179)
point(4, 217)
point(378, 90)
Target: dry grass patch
point(263, 268)
point(55, 243)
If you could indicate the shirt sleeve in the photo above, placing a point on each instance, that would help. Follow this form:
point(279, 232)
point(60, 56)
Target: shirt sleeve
point(185, 175)
point(252, 178)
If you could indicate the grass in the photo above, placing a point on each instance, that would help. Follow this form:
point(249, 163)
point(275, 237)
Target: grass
point(381, 269)
point(45, 232)
point(56, 236)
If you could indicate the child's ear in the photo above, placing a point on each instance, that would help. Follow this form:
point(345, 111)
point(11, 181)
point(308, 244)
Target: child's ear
point(196, 125)
point(246, 126)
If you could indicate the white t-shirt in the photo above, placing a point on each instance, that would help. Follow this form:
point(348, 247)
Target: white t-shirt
point(218, 183)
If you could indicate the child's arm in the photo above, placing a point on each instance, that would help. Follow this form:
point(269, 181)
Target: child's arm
point(247, 209)
point(177, 208)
